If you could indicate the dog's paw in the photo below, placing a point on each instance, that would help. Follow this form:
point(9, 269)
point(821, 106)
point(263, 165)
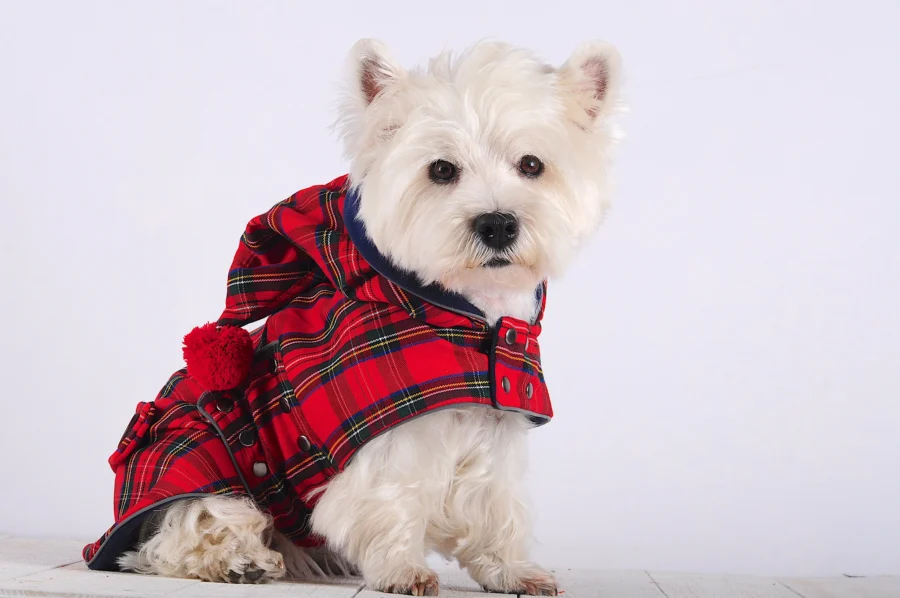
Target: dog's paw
point(411, 582)
point(539, 586)
point(215, 538)
point(530, 580)
point(264, 567)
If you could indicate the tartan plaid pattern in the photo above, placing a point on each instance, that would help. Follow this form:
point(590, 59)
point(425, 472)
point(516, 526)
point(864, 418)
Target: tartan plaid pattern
point(516, 368)
point(346, 354)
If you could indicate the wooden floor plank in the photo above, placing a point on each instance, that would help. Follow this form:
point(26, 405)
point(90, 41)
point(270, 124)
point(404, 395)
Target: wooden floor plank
point(279, 589)
point(78, 580)
point(455, 583)
point(605, 584)
point(54, 568)
point(21, 556)
point(846, 587)
point(681, 585)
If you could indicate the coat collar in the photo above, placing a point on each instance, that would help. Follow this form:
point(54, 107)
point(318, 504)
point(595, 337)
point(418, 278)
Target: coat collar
point(409, 282)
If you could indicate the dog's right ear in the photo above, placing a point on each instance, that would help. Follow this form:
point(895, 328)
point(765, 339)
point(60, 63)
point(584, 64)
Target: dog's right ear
point(373, 68)
point(366, 116)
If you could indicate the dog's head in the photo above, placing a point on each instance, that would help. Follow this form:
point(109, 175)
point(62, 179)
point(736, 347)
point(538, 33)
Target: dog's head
point(482, 172)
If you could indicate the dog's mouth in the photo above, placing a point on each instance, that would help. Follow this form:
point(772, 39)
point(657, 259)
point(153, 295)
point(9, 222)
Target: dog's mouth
point(497, 262)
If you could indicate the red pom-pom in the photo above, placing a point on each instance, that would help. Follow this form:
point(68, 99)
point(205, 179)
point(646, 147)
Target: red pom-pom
point(218, 358)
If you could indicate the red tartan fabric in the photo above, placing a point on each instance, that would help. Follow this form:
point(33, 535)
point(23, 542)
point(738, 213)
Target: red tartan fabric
point(347, 352)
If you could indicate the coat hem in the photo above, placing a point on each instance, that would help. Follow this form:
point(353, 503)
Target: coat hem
point(123, 535)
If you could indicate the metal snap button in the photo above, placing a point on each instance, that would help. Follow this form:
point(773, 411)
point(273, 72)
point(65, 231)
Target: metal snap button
point(247, 437)
point(285, 405)
point(224, 404)
point(511, 336)
point(304, 444)
point(260, 469)
point(505, 383)
point(529, 390)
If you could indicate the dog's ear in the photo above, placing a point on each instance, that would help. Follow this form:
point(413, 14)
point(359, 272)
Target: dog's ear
point(591, 77)
point(366, 116)
point(373, 69)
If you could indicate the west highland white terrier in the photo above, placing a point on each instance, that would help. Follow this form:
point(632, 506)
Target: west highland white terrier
point(381, 411)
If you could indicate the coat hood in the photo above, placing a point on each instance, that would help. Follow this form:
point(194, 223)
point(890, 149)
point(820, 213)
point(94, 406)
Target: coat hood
point(303, 238)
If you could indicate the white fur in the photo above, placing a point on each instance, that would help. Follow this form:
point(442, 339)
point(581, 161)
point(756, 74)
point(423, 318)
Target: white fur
point(482, 112)
point(215, 538)
point(449, 481)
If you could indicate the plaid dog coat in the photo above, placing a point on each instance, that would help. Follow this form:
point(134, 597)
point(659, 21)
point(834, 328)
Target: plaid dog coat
point(351, 347)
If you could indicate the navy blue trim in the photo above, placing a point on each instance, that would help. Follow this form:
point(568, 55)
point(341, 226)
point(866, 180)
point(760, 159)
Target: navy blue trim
point(433, 293)
point(125, 535)
point(202, 402)
point(408, 281)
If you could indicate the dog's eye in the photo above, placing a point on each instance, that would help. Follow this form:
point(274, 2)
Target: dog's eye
point(443, 172)
point(531, 166)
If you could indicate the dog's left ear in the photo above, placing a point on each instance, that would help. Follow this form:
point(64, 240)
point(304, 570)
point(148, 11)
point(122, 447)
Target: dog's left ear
point(591, 78)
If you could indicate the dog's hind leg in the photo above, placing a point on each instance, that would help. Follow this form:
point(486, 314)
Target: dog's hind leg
point(214, 538)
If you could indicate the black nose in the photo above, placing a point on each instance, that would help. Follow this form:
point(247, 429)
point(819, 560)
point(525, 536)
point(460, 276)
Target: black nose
point(497, 230)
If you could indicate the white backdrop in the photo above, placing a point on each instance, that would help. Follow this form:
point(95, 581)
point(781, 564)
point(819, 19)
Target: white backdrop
point(724, 359)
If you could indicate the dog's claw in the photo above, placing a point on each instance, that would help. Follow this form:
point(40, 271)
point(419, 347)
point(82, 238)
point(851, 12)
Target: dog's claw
point(539, 589)
point(423, 584)
point(533, 582)
point(528, 589)
point(426, 588)
point(417, 589)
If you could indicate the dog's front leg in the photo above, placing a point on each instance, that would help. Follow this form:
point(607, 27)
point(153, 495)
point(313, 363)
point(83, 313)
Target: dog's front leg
point(374, 514)
point(486, 502)
point(506, 570)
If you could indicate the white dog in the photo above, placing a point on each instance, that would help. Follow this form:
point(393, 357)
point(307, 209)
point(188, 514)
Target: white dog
point(483, 174)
